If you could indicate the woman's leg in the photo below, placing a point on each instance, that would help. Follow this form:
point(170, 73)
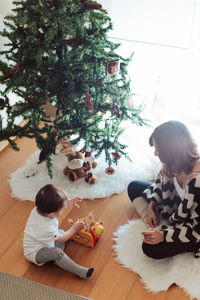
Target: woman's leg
point(164, 249)
point(59, 257)
point(136, 187)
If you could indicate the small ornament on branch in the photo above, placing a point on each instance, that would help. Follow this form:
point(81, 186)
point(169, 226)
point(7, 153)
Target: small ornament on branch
point(30, 100)
point(110, 171)
point(13, 71)
point(112, 67)
point(50, 110)
point(116, 110)
point(40, 34)
point(79, 42)
point(102, 80)
point(88, 102)
point(116, 155)
point(91, 5)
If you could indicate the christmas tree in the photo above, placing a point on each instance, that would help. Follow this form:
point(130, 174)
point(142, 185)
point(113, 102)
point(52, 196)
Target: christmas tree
point(70, 81)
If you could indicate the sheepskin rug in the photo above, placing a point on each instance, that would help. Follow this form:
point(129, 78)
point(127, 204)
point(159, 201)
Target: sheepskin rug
point(157, 275)
point(26, 181)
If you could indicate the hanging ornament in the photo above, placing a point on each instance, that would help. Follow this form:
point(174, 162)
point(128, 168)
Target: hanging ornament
point(13, 71)
point(88, 102)
point(116, 110)
point(50, 110)
point(110, 171)
point(41, 30)
point(69, 37)
point(79, 42)
point(116, 155)
point(112, 67)
point(69, 48)
point(99, 113)
point(45, 54)
point(40, 34)
point(30, 100)
point(92, 5)
point(102, 80)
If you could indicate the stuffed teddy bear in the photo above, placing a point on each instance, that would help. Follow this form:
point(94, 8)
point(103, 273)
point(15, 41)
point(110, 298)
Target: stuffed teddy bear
point(79, 166)
point(74, 168)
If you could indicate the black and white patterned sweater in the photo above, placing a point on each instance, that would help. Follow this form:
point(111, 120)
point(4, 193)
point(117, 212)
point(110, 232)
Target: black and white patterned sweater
point(183, 215)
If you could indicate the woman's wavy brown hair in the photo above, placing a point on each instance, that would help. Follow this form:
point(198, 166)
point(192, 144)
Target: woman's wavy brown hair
point(177, 150)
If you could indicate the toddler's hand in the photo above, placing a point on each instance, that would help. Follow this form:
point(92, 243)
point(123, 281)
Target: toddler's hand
point(74, 202)
point(78, 225)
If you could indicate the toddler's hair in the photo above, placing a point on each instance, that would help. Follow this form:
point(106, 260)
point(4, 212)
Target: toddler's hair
point(50, 199)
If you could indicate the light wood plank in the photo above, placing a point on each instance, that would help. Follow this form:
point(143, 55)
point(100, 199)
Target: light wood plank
point(109, 281)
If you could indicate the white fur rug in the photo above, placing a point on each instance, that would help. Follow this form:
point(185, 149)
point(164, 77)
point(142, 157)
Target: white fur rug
point(26, 181)
point(157, 275)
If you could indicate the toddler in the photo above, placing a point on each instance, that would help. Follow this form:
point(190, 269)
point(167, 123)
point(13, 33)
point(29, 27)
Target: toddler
point(43, 241)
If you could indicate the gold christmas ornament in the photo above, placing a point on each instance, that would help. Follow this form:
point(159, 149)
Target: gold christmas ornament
point(110, 171)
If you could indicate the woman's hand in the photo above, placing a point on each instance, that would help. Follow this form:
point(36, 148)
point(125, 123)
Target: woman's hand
point(152, 236)
point(74, 202)
point(151, 217)
point(78, 225)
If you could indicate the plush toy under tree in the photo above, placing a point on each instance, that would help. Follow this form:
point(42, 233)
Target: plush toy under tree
point(70, 81)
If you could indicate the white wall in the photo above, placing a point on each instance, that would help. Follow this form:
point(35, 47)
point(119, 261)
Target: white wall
point(169, 22)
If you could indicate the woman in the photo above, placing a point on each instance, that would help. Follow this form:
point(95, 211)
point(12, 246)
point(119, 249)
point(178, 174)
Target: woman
point(171, 206)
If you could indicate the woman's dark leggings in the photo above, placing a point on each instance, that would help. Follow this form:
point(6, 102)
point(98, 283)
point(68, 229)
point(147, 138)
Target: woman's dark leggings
point(164, 249)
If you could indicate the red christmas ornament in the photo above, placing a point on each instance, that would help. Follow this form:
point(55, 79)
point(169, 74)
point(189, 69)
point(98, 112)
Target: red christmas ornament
point(79, 42)
point(92, 5)
point(116, 155)
point(116, 110)
point(14, 70)
point(101, 80)
point(30, 100)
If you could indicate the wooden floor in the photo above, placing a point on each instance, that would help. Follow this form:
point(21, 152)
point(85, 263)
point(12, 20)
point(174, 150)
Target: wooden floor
point(110, 281)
